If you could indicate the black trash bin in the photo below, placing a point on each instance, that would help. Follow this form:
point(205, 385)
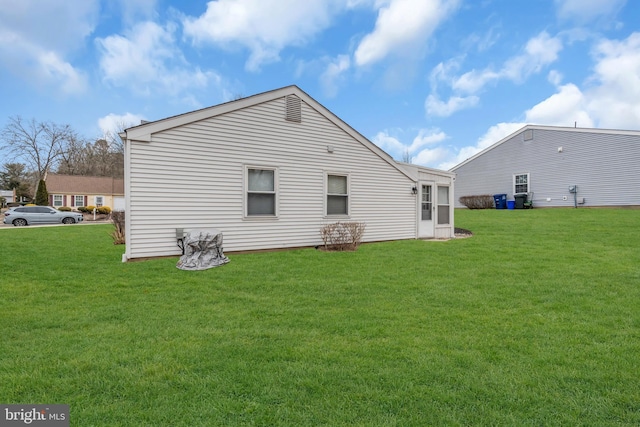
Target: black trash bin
point(500, 201)
point(520, 200)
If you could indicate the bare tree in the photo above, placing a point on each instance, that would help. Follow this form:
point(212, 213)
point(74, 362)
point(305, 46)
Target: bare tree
point(39, 144)
point(406, 156)
point(73, 160)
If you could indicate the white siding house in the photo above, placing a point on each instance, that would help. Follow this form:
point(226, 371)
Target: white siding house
point(269, 171)
point(547, 162)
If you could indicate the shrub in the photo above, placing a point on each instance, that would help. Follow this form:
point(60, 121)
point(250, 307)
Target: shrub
point(42, 196)
point(342, 236)
point(105, 210)
point(89, 209)
point(483, 201)
point(117, 217)
point(64, 209)
point(81, 209)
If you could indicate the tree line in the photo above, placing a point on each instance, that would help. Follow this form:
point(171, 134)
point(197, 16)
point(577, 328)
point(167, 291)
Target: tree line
point(34, 148)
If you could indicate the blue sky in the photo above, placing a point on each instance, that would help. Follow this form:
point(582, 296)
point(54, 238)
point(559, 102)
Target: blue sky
point(442, 79)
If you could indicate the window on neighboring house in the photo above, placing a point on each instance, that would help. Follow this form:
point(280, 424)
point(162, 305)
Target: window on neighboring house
point(99, 201)
point(444, 208)
point(337, 194)
point(57, 200)
point(521, 183)
point(261, 192)
point(78, 201)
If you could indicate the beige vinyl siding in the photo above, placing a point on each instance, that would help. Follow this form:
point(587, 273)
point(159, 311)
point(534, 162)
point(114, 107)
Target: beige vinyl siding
point(192, 176)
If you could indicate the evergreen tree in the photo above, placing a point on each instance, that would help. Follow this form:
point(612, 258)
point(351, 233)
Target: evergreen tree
point(42, 196)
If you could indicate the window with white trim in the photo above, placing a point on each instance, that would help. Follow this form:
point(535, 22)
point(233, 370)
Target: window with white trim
point(521, 183)
point(78, 200)
point(261, 191)
point(99, 201)
point(337, 194)
point(444, 207)
point(57, 200)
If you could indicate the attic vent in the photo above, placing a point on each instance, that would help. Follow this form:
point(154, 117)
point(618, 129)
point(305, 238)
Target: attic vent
point(293, 110)
point(528, 135)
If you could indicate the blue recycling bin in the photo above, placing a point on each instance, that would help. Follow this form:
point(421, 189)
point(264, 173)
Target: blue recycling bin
point(500, 201)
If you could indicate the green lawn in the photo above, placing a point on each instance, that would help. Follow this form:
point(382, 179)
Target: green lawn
point(535, 320)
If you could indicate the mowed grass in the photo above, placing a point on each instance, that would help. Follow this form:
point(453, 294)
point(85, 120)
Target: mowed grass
point(535, 320)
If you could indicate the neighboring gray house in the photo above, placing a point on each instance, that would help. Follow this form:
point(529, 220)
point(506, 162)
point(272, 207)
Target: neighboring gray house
point(549, 163)
point(269, 171)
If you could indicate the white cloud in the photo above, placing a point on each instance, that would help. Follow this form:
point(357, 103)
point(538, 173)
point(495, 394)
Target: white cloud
point(584, 11)
point(61, 26)
point(437, 107)
point(134, 10)
point(431, 157)
point(611, 98)
point(444, 72)
point(493, 135)
point(148, 59)
point(539, 52)
point(112, 124)
point(402, 26)
point(614, 99)
point(265, 27)
point(423, 148)
point(36, 37)
point(564, 108)
point(334, 74)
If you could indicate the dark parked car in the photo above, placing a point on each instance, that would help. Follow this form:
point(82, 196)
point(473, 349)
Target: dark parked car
point(27, 215)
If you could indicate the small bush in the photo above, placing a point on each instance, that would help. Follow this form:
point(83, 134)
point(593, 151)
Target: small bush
point(90, 209)
point(64, 209)
point(483, 201)
point(105, 210)
point(81, 209)
point(117, 217)
point(342, 236)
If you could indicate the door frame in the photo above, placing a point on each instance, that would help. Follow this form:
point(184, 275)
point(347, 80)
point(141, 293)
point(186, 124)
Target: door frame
point(426, 228)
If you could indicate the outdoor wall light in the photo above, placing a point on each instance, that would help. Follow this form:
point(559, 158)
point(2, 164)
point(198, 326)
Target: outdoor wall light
point(414, 190)
point(180, 238)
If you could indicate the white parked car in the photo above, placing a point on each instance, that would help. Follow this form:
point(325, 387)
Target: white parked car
point(27, 215)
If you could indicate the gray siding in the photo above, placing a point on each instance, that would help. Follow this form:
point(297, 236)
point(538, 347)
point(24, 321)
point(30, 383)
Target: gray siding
point(192, 176)
point(604, 165)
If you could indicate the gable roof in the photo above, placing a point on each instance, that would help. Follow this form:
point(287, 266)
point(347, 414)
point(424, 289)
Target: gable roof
point(144, 131)
point(554, 128)
point(76, 184)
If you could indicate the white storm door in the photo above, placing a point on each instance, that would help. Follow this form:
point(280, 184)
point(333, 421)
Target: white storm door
point(426, 211)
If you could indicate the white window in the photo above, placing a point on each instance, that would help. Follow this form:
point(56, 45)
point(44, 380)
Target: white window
point(337, 194)
point(521, 183)
point(261, 191)
point(57, 200)
point(78, 201)
point(99, 201)
point(444, 209)
point(426, 203)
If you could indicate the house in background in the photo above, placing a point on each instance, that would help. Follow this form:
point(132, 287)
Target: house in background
point(75, 191)
point(558, 167)
point(6, 197)
point(269, 171)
